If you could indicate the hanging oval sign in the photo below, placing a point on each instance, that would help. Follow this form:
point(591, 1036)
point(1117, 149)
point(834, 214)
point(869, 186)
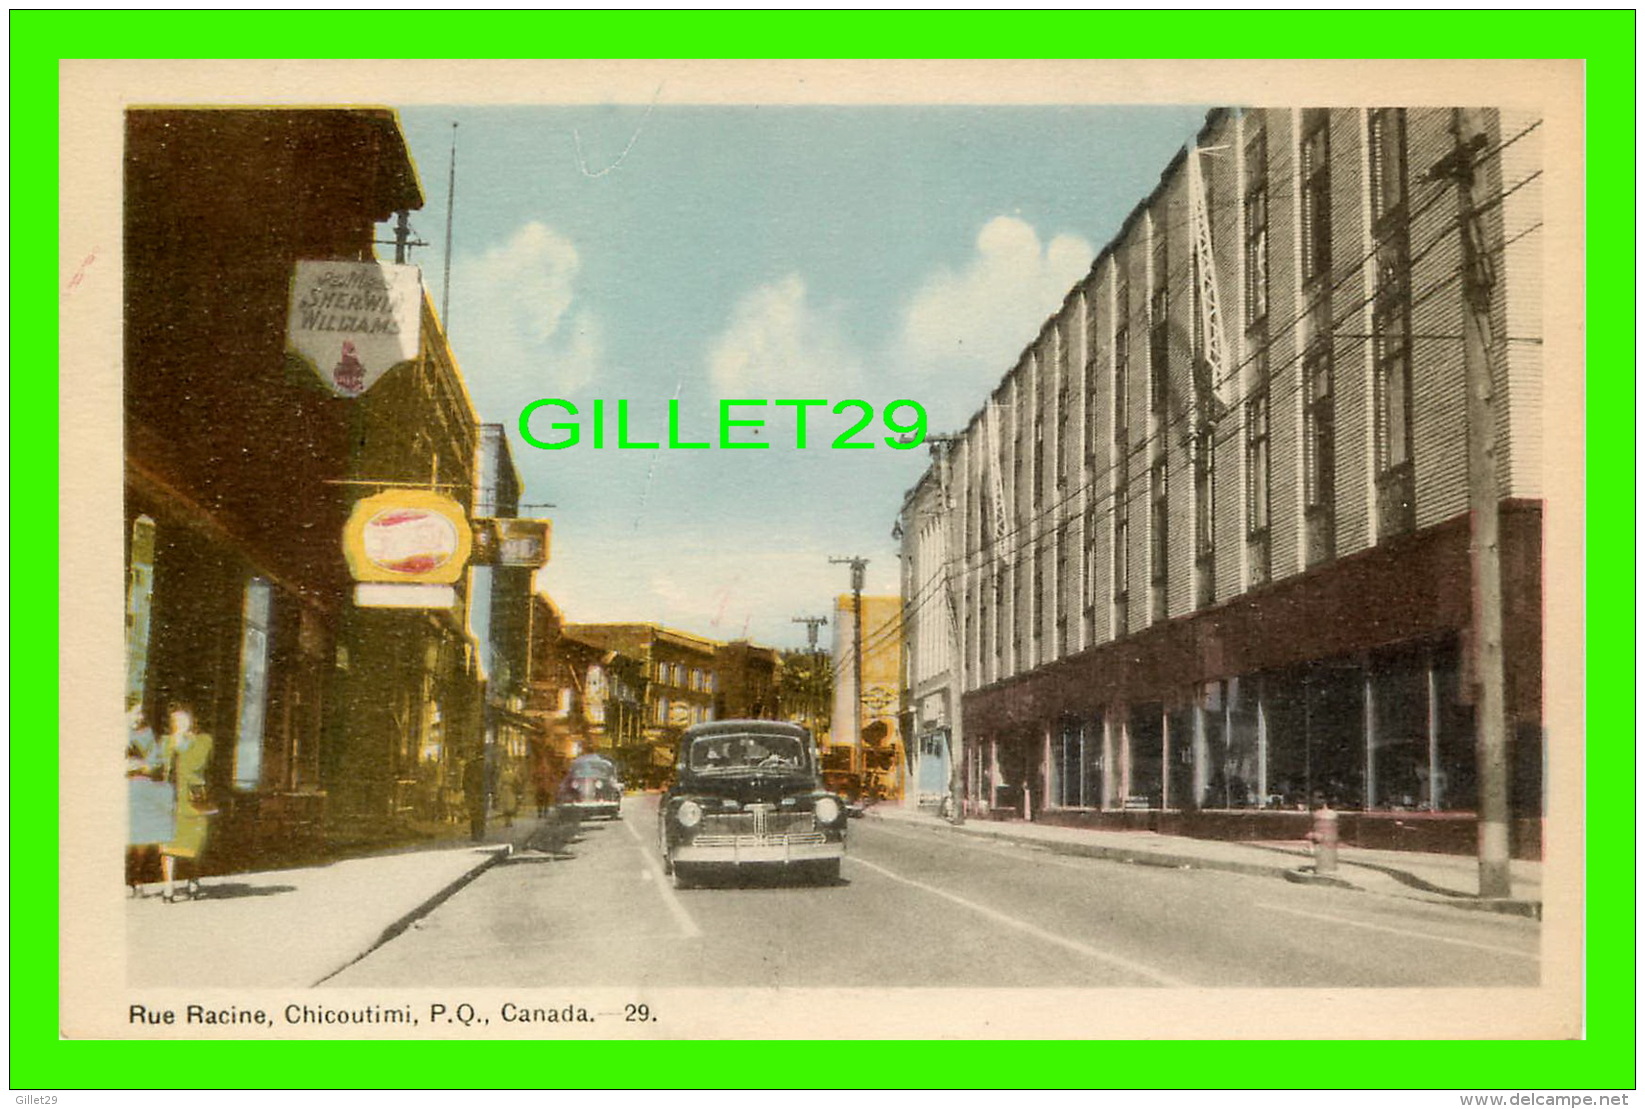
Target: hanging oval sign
point(408, 535)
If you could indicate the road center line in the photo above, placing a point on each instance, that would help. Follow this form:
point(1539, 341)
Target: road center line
point(1023, 926)
point(1534, 957)
point(688, 927)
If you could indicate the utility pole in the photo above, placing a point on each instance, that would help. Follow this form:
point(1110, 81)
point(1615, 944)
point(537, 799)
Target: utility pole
point(1484, 549)
point(812, 623)
point(943, 447)
point(858, 567)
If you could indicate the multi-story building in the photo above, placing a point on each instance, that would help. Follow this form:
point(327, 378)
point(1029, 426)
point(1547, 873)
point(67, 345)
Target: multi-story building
point(500, 616)
point(680, 683)
point(409, 682)
point(580, 697)
point(1207, 542)
point(746, 682)
point(929, 680)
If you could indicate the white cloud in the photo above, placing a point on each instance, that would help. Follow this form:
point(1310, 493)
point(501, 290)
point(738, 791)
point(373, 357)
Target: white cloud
point(777, 344)
point(515, 320)
point(970, 324)
point(703, 588)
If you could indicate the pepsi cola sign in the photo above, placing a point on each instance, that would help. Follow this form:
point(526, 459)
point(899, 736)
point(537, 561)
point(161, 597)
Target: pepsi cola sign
point(407, 535)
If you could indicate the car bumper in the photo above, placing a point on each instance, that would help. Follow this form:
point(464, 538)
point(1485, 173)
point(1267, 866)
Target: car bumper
point(597, 808)
point(747, 850)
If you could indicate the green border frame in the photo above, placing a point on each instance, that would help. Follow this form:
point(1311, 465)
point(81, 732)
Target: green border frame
point(1605, 1059)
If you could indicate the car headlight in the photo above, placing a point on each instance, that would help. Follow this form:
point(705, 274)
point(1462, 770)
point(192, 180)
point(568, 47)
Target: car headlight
point(828, 810)
point(689, 814)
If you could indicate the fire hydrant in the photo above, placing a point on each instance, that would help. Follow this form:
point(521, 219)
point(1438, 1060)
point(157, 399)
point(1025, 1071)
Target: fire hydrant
point(1324, 837)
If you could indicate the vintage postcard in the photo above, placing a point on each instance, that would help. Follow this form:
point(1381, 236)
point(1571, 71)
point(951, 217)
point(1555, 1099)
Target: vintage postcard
point(768, 550)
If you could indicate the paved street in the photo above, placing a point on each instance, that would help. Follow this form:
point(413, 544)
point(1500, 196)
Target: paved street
point(920, 906)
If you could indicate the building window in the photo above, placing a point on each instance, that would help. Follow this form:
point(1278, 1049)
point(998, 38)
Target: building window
point(1092, 376)
point(1022, 609)
point(254, 657)
point(1387, 164)
point(1319, 451)
point(1062, 592)
point(1159, 307)
point(983, 635)
point(1041, 586)
point(1257, 451)
point(1122, 370)
point(1316, 194)
point(1038, 477)
point(1089, 575)
point(1062, 430)
point(1019, 490)
point(1205, 516)
point(1159, 536)
point(139, 608)
point(1122, 558)
point(1001, 609)
point(1256, 227)
point(1391, 323)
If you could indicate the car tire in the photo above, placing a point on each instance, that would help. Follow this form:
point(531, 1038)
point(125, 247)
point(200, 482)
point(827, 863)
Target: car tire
point(662, 849)
point(685, 877)
point(827, 872)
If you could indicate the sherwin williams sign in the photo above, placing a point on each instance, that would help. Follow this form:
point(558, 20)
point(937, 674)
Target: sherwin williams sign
point(352, 322)
point(408, 535)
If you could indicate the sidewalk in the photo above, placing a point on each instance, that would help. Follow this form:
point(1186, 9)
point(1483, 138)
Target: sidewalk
point(295, 928)
point(1438, 879)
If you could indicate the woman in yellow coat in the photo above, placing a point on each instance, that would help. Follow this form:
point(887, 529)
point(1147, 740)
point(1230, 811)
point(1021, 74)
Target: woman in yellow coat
point(187, 754)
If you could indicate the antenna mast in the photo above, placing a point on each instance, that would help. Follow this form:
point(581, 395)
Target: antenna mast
point(451, 202)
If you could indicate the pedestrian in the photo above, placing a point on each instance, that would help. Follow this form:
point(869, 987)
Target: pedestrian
point(474, 796)
point(187, 754)
point(542, 781)
point(508, 796)
point(148, 797)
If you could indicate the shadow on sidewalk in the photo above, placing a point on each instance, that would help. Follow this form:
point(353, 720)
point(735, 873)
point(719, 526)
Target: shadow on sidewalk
point(223, 891)
point(1404, 878)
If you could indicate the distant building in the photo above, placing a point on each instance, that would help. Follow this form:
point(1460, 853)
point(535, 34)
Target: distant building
point(746, 683)
point(680, 683)
point(1207, 543)
point(866, 731)
point(501, 617)
point(929, 682)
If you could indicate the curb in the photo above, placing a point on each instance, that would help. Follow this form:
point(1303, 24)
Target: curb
point(1113, 854)
point(493, 854)
point(1300, 875)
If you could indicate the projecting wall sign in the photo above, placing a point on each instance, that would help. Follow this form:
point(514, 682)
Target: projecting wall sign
point(352, 322)
point(407, 535)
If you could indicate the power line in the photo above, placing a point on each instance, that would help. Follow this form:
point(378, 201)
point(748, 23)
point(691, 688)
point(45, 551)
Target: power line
point(1143, 446)
point(967, 561)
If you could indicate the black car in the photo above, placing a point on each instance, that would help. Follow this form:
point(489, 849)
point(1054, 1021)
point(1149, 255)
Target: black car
point(591, 788)
point(748, 794)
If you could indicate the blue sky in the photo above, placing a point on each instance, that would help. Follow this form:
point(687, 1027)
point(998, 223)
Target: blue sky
point(755, 252)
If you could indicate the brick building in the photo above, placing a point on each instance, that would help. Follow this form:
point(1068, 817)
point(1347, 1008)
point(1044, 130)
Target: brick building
point(237, 590)
point(1207, 542)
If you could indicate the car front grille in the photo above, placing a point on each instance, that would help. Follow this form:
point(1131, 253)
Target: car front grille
point(758, 826)
point(795, 839)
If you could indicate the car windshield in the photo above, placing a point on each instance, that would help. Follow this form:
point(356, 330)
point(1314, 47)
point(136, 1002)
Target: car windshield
point(747, 752)
point(590, 766)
